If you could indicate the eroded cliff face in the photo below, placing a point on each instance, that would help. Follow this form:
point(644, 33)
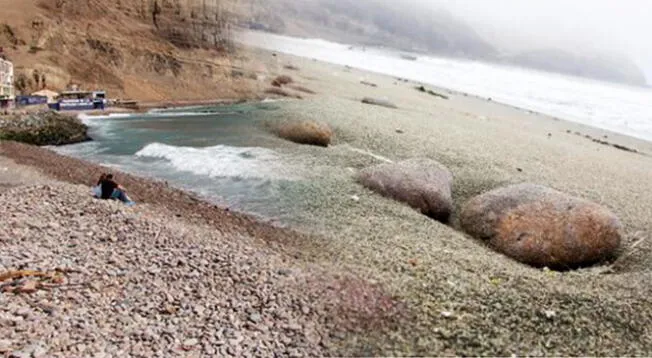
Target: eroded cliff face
point(137, 49)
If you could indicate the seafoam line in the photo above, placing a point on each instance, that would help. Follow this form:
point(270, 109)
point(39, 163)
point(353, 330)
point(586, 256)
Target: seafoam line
point(371, 154)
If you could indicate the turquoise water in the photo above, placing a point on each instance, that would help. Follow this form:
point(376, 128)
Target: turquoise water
point(222, 153)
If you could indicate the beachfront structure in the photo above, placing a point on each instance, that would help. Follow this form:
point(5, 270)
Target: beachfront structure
point(7, 95)
point(79, 101)
point(50, 95)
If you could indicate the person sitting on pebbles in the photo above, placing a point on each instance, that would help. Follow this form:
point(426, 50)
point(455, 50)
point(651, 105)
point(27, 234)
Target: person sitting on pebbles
point(107, 188)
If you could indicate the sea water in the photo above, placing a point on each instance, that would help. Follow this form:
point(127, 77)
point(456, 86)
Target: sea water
point(221, 153)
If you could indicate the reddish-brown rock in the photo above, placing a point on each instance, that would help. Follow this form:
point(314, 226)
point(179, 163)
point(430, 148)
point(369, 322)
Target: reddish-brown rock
point(540, 226)
point(304, 132)
point(424, 184)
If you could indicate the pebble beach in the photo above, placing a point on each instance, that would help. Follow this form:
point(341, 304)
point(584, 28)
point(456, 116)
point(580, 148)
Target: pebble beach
point(364, 275)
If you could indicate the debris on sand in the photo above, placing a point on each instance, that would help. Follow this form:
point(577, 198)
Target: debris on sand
point(607, 143)
point(430, 92)
point(30, 281)
point(291, 67)
point(282, 80)
point(379, 102)
point(301, 88)
point(281, 92)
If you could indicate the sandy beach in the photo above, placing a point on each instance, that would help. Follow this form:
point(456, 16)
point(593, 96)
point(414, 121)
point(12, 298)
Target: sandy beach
point(351, 277)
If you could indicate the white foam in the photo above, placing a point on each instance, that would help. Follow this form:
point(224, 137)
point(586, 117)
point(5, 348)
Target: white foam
point(87, 117)
point(223, 161)
point(162, 113)
point(367, 153)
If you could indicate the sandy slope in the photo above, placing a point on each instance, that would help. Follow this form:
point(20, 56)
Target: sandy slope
point(499, 306)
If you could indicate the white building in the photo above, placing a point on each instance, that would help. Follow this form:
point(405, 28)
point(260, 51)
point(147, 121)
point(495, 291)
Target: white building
point(7, 94)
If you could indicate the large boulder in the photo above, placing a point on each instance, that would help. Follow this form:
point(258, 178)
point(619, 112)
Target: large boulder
point(541, 227)
point(43, 128)
point(304, 132)
point(422, 183)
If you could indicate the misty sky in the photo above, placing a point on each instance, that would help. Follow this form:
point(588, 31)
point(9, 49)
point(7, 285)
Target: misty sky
point(618, 25)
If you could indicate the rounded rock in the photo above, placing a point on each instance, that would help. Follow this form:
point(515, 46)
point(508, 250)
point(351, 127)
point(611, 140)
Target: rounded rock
point(304, 132)
point(542, 227)
point(422, 183)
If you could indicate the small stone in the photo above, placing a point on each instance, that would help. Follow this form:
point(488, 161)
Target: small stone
point(23, 312)
point(447, 314)
point(379, 102)
point(20, 354)
point(235, 341)
point(355, 198)
point(27, 288)
point(39, 351)
point(5, 345)
point(255, 318)
point(294, 327)
point(190, 343)
point(169, 309)
point(550, 314)
point(284, 272)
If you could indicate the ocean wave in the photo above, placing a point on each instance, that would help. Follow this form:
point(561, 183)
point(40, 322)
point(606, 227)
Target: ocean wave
point(171, 113)
point(87, 118)
point(223, 161)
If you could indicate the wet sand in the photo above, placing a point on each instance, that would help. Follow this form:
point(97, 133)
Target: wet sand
point(460, 298)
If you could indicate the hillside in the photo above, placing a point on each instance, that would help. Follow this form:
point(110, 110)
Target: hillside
point(601, 66)
point(370, 22)
point(138, 49)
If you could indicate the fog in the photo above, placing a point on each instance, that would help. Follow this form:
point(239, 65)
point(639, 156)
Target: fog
point(622, 26)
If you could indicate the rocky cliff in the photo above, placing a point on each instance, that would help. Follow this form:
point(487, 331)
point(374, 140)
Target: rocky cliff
point(138, 49)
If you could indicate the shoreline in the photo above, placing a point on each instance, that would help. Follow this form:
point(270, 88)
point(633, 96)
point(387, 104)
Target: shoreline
point(143, 190)
point(447, 294)
point(452, 91)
